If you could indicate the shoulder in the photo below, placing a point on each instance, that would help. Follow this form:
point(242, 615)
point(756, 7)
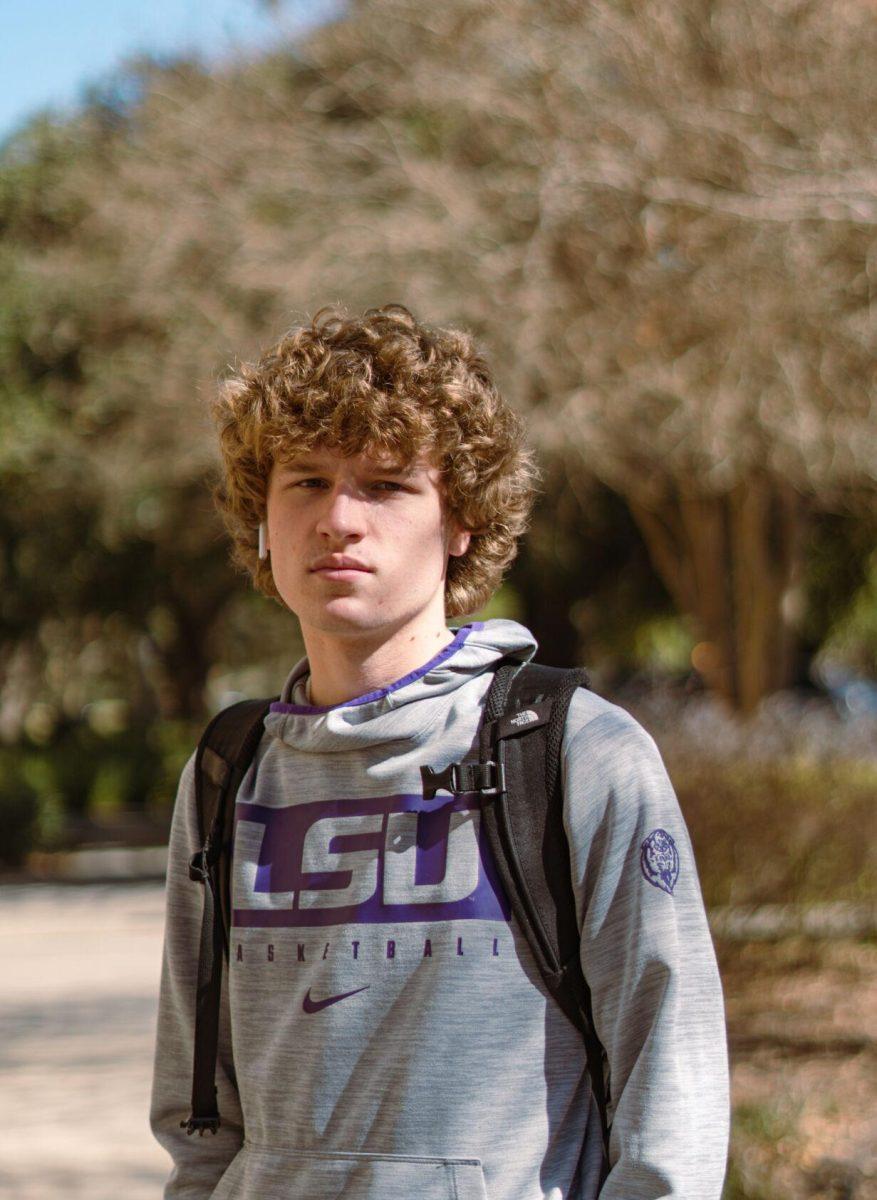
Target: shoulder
point(612, 770)
point(184, 823)
point(606, 732)
point(187, 774)
point(186, 783)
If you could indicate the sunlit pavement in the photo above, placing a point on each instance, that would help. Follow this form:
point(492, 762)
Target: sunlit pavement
point(78, 997)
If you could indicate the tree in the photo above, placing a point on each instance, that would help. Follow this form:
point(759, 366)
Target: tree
point(659, 221)
point(665, 218)
point(105, 513)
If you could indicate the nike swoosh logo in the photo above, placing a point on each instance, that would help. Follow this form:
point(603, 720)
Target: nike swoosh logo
point(312, 1006)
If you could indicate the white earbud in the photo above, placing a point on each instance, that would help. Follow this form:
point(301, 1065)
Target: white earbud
point(263, 549)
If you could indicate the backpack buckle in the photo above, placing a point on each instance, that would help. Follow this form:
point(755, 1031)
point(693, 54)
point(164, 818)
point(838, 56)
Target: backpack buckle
point(200, 1125)
point(199, 869)
point(200, 864)
point(491, 776)
point(486, 778)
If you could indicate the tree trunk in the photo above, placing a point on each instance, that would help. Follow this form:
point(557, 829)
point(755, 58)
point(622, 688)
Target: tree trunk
point(547, 616)
point(729, 561)
point(182, 662)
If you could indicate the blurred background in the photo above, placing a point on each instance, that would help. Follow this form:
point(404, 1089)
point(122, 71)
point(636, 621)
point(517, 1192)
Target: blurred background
point(660, 222)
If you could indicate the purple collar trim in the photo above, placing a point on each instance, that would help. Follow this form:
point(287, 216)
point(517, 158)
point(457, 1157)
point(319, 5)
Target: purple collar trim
point(451, 648)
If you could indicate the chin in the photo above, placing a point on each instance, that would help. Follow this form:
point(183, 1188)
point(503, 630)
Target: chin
point(341, 617)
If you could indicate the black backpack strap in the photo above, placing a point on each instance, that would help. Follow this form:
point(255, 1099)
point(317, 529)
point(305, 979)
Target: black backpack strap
point(224, 753)
point(526, 831)
point(515, 762)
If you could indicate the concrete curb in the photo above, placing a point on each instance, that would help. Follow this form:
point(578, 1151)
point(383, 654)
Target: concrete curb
point(98, 864)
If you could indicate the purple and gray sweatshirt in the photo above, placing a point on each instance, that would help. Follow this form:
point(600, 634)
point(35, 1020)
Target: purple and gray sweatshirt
point(385, 1033)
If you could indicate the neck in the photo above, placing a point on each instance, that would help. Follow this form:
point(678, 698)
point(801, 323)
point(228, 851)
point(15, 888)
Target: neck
point(343, 668)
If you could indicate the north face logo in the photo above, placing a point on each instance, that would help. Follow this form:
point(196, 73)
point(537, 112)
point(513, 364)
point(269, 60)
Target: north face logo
point(527, 717)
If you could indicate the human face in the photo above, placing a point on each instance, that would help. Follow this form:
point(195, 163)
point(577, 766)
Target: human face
point(359, 546)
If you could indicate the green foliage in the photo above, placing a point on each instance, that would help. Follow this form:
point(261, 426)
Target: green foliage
point(171, 744)
point(765, 1123)
point(756, 1132)
point(503, 605)
point(18, 810)
point(662, 644)
point(82, 780)
point(36, 202)
point(110, 788)
point(96, 774)
point(781, 831)
point(31, 809)
point(840, 589)
point(738, 1187)
point(852, 636)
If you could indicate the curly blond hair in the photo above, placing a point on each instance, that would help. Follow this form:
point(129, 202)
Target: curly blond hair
point(379, 384)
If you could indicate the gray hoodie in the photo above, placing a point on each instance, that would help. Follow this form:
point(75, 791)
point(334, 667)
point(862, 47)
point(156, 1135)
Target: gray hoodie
point(385, 1033)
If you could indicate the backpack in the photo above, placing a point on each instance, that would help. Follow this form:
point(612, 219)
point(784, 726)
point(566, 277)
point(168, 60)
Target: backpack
point(514, 762)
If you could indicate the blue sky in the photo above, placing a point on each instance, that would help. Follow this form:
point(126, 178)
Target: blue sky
point(51, 48)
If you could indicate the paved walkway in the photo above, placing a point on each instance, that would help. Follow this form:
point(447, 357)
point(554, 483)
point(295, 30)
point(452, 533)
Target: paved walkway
point(78, 994)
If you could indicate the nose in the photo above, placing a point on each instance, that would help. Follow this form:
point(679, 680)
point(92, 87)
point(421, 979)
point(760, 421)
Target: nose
point(342, 516)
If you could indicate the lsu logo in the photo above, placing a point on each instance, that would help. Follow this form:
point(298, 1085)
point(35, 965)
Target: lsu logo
point(385, 859)
point(659, 860)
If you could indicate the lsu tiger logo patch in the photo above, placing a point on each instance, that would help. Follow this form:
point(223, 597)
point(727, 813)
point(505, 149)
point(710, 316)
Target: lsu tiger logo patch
point(659, 860)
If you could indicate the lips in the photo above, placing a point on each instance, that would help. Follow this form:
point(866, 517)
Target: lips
point(332, 563)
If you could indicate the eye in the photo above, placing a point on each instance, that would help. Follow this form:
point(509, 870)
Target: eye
point(389, 485)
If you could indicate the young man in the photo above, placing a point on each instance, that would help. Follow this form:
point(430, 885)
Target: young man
point(384, 1032)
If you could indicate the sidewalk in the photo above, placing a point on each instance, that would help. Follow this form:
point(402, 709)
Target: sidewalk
point(77, 1024)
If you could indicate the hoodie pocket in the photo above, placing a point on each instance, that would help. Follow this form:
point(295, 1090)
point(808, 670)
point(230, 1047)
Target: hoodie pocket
point(280, 1174)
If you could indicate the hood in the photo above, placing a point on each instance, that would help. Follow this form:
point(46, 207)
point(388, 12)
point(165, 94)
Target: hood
point(408, 708)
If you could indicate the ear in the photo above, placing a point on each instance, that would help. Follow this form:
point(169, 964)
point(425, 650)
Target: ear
point(459, 540)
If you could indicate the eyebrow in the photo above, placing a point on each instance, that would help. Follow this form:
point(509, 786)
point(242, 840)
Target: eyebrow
point(298, 465)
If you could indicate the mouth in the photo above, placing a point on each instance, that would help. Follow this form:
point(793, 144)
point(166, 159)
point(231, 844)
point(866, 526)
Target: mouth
point(339, 568)
point(339, 572)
